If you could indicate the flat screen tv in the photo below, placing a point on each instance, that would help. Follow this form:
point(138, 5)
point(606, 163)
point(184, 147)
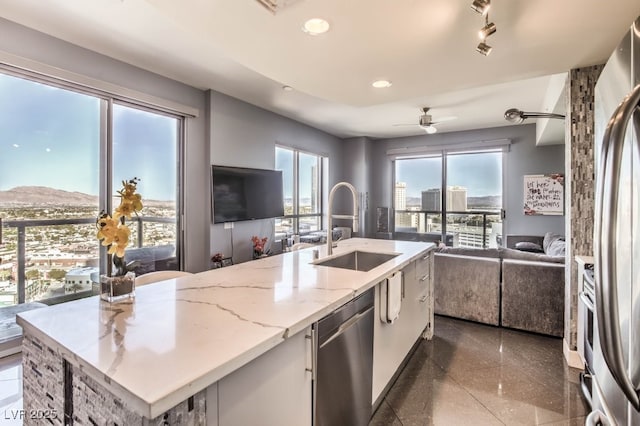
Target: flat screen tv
point(246, 194)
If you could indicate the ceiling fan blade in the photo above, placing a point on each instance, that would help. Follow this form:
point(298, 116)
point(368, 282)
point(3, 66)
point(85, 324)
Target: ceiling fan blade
point(443, 120)
point(405, 124)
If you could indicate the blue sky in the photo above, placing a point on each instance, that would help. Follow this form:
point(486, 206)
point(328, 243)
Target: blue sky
point(481, 174)
point(51, 137)
point(284, 162)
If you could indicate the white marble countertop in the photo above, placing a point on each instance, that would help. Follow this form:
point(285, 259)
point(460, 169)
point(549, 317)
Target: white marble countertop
point(181, 335)
point(584, 260)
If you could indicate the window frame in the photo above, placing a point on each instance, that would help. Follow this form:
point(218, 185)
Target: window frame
point(320, 173)
point(499, 146)
point(108, 94)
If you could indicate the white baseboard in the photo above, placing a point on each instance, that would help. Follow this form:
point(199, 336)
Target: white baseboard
point(572, 357)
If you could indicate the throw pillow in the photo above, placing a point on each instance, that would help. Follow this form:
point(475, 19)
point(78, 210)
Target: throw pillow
point(556, 248)
point(529, 246)
point(550, 237)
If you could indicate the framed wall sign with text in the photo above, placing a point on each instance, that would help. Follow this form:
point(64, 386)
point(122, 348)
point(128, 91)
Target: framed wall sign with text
point(544, 194)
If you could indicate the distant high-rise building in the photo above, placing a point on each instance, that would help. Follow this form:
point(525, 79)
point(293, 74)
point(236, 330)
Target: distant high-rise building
point(401, 196)
point(402, 219)
point(456, 198)
point(431, 199)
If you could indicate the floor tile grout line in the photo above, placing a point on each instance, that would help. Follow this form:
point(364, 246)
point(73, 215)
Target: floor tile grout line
point(476, 399)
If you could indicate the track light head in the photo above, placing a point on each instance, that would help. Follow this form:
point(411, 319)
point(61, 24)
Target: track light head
point(481, 6)
point(513, 115)
point(483, 48)
point(487, 30)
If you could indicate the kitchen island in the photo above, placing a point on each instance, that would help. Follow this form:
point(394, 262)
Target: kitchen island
point(189, 349)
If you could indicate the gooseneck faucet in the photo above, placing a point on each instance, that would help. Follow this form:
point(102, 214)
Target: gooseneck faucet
point(330, 216)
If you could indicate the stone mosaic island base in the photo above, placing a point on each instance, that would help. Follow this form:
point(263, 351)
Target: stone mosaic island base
point(59, 393)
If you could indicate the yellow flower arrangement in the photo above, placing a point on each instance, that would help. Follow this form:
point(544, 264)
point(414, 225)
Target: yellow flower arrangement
point(112, 230)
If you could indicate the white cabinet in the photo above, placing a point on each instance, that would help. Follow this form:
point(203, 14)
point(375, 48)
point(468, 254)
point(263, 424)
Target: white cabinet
point(392, 342)
point(273, 389)
point(420, 292)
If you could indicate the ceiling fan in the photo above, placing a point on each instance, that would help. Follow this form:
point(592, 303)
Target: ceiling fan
point(426, 122)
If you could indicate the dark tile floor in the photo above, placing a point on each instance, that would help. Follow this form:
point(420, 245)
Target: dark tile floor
point(469, 374)
point(473, 374)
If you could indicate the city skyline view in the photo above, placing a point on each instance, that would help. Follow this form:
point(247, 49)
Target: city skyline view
point(480, 174)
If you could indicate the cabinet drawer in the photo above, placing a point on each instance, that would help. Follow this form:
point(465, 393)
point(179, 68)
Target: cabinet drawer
point(423, 268)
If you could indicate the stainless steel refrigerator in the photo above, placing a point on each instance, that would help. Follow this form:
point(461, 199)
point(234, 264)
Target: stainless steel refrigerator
point(616, 351)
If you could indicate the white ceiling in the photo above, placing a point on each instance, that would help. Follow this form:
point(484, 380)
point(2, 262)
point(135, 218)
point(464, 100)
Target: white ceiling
point(425, 47)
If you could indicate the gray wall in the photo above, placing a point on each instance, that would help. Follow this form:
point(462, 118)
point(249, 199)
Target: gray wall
point(245, 135)
point(26, 43)
point(524, 158)
point(357, 171)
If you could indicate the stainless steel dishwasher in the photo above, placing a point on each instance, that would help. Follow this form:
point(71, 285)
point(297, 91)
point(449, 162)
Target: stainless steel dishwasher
point(344, 364)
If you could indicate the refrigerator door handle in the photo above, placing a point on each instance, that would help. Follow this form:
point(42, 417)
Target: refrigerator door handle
point(597, 418)
point(606, 244)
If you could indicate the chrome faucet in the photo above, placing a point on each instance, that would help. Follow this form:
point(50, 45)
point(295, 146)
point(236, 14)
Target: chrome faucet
point(330, 216)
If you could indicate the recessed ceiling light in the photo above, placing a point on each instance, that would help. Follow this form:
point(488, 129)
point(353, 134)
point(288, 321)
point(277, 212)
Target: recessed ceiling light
point(315, 26)
point(287, 88)
point(381, 84)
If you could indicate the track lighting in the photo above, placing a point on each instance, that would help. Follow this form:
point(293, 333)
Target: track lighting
point(481, 6)
point(487, 30)
point(483, 48)
point(514, 115)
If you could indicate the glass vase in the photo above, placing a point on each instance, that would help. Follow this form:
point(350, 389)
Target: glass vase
point(118, 288)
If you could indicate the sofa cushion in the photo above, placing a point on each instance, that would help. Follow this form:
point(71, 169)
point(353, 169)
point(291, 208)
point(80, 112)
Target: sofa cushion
point(467, 287)
point(529, 246)
point(533, 297)
point(507, 253)
point(468, 251)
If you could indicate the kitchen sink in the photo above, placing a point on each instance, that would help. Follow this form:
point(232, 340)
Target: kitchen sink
point(357, 260)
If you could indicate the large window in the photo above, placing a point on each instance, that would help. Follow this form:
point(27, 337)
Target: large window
point(302, 174)
point(452, 197)
point(59, 146)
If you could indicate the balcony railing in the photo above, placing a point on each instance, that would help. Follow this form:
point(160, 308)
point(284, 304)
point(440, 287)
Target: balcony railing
point(21, 256)
point(458, 231)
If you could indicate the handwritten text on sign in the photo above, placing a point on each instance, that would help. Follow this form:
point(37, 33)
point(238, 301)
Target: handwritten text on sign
point(544, 194)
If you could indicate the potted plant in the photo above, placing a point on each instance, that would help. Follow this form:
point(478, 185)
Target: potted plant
point(258, 247)
point(119, 281)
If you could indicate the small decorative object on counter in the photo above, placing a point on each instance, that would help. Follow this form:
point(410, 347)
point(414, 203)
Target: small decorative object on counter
point(119, 281)
point(119, 287)
point(216, 261)
point(258, 247)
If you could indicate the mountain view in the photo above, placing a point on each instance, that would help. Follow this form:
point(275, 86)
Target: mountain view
point(23, 196)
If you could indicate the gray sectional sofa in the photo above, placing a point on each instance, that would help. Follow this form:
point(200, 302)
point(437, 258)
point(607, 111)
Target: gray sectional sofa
point(506, 287)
